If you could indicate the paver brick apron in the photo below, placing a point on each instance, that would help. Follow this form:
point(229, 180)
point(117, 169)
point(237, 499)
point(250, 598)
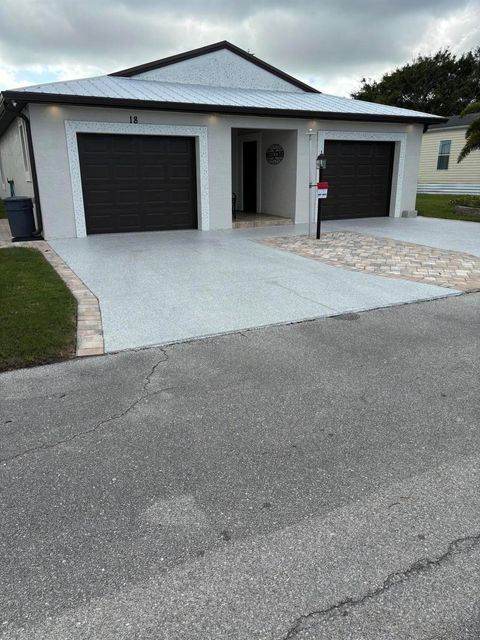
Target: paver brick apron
point(387, 257)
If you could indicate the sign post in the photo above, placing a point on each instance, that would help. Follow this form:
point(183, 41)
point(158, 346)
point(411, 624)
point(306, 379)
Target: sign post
point(322, 190)
point(322, 193)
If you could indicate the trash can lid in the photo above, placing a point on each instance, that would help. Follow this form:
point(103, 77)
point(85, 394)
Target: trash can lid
point(16, 199)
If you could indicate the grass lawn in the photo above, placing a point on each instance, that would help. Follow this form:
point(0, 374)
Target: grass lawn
point(37, 311)
point(438, 206)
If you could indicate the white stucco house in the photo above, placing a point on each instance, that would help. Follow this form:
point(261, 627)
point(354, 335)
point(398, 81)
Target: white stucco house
point(164, 146)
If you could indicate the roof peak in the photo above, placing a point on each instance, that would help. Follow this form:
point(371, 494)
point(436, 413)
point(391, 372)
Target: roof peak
point(210, 48)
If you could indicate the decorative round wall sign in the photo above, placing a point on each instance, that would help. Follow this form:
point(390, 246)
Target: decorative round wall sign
point(275, 154)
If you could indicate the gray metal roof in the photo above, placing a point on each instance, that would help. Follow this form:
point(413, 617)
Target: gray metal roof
point(116, 87)
point(456, 121)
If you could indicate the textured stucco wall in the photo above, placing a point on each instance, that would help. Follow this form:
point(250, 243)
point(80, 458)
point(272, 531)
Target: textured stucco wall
point(412, 165)
point(48, 131)
point(12, 163)
point(220, 69)
point(279, 180)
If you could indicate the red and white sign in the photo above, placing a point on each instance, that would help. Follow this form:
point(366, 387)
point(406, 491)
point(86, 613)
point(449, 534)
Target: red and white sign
point(322, 190)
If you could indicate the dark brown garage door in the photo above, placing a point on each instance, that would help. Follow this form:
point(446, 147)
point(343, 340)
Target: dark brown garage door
point(137, 183)
point(360, 179)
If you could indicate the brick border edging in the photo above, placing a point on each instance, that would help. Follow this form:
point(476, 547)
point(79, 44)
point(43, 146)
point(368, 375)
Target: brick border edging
point(89, 340)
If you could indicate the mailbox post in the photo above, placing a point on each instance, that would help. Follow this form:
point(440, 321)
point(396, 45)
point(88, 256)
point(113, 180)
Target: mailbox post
point(322, 190)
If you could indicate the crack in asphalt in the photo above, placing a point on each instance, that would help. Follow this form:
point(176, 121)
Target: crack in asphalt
point(51, 445)
point(308, 620)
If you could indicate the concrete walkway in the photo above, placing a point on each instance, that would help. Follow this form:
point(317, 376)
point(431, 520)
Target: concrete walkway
point(157, 288)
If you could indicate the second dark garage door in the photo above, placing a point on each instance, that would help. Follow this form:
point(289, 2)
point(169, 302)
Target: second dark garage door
point(360, 179)
point(137, 182)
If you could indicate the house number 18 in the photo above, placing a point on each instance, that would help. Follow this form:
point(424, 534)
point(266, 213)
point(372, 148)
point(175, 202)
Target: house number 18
point(133, 119)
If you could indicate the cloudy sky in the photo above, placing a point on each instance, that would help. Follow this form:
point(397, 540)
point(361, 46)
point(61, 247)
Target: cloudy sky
point(329, 45)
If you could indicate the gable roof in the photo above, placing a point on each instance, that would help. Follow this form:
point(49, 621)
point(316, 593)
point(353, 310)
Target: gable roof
point(217, 46)
point(456, 122)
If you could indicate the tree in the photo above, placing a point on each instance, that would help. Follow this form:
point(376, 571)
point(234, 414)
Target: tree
point(472, 134)
point(441, 84)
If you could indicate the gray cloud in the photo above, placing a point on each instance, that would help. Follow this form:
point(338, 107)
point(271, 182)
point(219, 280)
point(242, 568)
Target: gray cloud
point(318, 42)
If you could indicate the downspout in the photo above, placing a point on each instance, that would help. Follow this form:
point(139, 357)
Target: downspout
point(33, 168)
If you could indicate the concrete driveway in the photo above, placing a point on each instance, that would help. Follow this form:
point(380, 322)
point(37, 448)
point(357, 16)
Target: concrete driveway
point(157, 288)
point(452, 235)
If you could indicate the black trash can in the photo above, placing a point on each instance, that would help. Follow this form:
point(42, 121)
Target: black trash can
point(20, 217)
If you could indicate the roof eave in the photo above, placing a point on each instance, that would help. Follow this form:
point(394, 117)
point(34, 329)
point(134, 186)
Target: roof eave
point(7, 116)
point(25, 97)
point(442, 128)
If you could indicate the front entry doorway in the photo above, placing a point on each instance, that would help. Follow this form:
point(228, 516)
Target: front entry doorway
point(249, 176)
point(263, 192)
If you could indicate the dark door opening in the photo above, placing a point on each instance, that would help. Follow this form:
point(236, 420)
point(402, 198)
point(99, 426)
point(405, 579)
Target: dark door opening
point(360, 179)
point(138, 182)
point(250, 176)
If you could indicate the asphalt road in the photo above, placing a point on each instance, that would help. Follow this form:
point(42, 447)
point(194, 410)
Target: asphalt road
point(318, 480)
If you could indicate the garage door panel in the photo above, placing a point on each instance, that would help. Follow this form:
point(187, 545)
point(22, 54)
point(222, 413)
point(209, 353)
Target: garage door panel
point(163, 223)
point(95, 144)
point(129, 219)
point(155, 171)
point(97, 196)
point(136, 182)
point(379, 172)
point(124, 197)
point(124, 171)
point(157, 197)
point(96, 172)
point(154, 144)
point(179, 147)
point(345, 171)
point(180, 171)
point(359, 177)
point(124, 144)
point(364, 171)
point(180, 196)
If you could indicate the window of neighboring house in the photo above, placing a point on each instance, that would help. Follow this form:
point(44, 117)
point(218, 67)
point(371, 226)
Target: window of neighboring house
point(23, 142)
point(443, 154)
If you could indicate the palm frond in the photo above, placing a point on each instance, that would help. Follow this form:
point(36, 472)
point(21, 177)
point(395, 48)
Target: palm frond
point(472, 144)
point(473, 128)
point(472, 108)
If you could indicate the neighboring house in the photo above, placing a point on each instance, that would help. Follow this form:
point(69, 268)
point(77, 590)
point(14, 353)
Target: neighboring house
point(439, 170)
point(163, 146)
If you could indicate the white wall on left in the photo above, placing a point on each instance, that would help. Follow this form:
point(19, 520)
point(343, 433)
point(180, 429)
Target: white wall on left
point(12, 163)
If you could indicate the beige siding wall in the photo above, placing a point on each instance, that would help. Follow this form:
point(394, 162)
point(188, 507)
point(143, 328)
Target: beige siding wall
point(465, 172)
